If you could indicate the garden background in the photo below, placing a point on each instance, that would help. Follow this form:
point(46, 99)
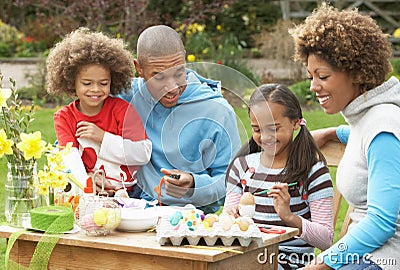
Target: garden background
point(248, 36)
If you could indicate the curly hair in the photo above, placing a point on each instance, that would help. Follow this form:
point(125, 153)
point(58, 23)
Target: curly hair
point(82, 47)
point(348, 41)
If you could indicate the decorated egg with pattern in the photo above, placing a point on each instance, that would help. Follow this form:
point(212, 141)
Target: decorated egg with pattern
point(191, 219)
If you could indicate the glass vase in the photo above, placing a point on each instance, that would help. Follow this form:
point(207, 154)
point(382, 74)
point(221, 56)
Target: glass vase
point(21, 193)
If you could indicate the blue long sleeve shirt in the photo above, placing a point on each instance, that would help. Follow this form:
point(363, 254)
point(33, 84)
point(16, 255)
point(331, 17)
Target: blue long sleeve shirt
point(383, 201)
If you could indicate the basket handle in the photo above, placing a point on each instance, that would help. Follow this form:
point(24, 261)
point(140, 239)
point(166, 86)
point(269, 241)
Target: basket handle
point(102, 193)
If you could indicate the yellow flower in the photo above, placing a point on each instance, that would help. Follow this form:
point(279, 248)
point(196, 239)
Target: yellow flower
point(42, 176)
point(204, 51)
point(5, 93)
point(191, 58)
point(32, 145)
point(43, 190)
point(219, 27)
point(5, 144)
point(200, 27)
point(118, 35)
point(396, 33)
point(51, 176)
point(55, 161)
point(60, 181)
point(67, 148)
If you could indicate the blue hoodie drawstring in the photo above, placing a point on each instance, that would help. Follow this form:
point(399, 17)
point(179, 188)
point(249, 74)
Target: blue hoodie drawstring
point(171, 117)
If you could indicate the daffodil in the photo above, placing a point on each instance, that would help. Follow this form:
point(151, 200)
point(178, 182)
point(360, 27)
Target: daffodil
point(60, 181)
point(43, 190)
point(5, 93)
point(22, 149)
point(67, 148)
point(32, 145)
point(5, 144)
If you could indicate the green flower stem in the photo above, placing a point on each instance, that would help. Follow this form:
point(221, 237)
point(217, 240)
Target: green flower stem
point(51, 196)
point(21, 192)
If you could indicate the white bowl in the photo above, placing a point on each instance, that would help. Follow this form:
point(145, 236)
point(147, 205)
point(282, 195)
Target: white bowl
point(137, 220)
point(131, 203)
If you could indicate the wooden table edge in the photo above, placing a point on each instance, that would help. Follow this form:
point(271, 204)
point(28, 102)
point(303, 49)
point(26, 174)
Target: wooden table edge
point(110, 242)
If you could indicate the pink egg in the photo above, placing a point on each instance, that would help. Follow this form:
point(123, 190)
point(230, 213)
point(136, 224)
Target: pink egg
point(87, 222)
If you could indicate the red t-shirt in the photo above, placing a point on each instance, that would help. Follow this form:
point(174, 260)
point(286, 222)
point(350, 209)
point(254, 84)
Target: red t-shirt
point(121, 123)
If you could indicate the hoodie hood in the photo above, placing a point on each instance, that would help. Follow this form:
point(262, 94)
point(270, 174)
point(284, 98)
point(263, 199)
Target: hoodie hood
point(386, 93)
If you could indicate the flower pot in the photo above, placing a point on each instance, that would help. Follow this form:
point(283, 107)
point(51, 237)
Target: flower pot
point(21, 193)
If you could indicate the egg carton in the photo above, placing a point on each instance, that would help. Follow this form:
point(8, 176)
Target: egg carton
point(179, 235)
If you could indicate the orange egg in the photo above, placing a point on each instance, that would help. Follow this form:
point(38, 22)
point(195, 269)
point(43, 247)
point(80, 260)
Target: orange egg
point(247, 199)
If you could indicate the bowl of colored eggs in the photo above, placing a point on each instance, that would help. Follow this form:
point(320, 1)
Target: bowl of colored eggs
point(137, 220)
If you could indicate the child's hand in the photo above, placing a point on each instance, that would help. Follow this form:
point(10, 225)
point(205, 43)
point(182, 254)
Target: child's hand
point(89, 131)
point(108, 187)
point(233, 211)
point(280, 193)
point(177, 186)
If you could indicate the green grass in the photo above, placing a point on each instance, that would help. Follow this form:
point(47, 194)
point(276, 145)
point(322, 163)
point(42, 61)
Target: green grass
point(44, 122)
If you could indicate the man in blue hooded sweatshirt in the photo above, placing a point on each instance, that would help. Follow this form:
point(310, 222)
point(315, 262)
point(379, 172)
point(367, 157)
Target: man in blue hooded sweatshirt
point(192, 127)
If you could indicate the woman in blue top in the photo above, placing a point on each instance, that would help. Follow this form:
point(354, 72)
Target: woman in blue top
point(347, 58)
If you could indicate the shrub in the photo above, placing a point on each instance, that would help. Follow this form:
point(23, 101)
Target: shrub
point(14, 43)
point(277, 44)
point(30, 47)
point(5, 49)
point(396, 68)
point(223, 49)
point(10, 39)
point(302, 91)
point(396, 65)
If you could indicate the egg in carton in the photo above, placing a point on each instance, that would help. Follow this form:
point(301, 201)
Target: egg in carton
point(247, 205)
point(241, 228)
point(193, 226)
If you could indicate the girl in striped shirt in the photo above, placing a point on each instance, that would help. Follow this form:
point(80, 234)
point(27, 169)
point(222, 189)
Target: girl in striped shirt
point(272, 160)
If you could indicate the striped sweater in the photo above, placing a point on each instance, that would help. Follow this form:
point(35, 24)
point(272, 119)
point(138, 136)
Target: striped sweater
point(314, 206)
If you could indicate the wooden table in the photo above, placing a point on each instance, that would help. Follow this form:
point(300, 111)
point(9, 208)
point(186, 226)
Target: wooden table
point(121, 250)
